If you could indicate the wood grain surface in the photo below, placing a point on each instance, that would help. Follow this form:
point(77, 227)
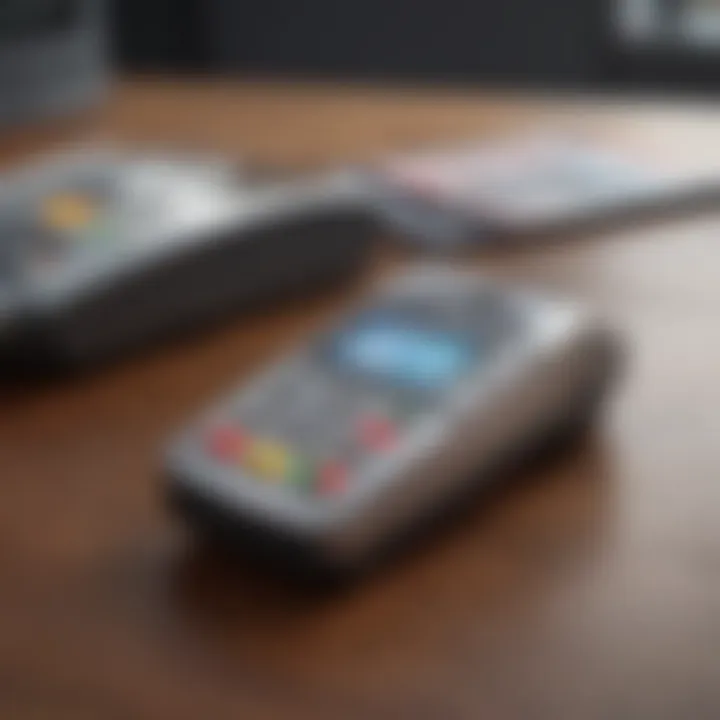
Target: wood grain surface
point(591, 591)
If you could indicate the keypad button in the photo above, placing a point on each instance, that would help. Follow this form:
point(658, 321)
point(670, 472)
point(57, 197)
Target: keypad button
point(268, 460)
point(303, 474)
point(69, 212)
point(377, 433)
point(227, 443)
point(333, 479)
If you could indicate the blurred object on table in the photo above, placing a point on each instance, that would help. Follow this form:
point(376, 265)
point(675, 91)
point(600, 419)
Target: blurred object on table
point(534, 184)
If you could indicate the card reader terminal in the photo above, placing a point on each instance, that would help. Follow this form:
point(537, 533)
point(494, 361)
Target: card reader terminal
point(103, 251)
point(380, 420)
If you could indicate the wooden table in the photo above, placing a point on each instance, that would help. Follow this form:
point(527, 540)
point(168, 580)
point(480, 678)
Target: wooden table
point(591, 592)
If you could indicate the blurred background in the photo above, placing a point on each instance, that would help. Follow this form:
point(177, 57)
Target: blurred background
point(53, 53)
point(555, 43)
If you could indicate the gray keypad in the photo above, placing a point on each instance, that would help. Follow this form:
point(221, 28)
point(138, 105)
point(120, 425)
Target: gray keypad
point(321, 414)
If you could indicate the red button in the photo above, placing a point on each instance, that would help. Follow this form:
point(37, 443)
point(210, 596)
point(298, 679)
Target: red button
point(377, 433)
point(227, 443)
point(333, 479)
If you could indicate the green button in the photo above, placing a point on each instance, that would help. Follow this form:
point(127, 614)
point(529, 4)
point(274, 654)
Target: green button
point(303, 473)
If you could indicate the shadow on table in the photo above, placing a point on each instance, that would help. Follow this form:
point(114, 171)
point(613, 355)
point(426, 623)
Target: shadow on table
point(508, 548)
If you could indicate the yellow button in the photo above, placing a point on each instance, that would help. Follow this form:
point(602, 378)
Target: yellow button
point(68, 213)
point(269, 460)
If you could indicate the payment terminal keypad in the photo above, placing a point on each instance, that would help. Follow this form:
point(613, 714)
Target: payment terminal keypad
point(319, 422)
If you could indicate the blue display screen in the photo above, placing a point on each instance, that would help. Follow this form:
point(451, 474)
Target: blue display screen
point(405, 354)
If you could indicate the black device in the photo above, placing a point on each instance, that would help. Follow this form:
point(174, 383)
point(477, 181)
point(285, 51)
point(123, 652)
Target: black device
point(103, 251)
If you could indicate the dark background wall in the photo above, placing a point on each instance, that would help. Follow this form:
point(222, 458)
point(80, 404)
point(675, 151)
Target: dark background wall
point(526, 42)
point(159, 35)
